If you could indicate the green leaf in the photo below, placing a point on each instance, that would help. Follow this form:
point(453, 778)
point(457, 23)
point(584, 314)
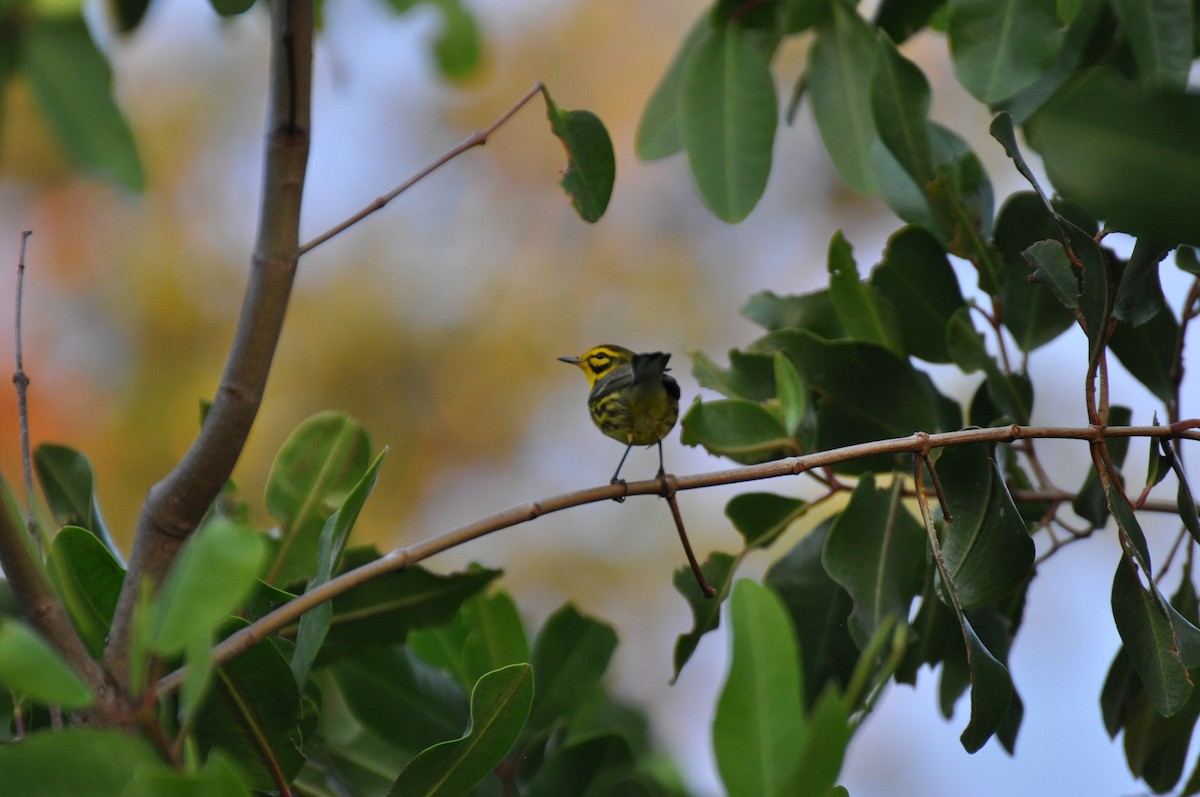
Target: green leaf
point(458, 48)
point(1158, 464)
point(231, 8)
point(88, 580)
point(750, 375)
point(844, 378)
point(916, 277)
point(570, 655)
point(317, 467)
point(987, 549)
point(1148, 352)
point(100, 762)
point(791, 394)
point(1139, 293)
point(31, 668)
point(1031, 313)
point(841, 62)
point(864, 314)
point(72, 82)
point(876, 551)
point(1084, 22)
point(486, 634)
point(70, 490)
point(1000, 48)
point(253, 715)
point(1091, 501)
point(315, 622)
point(900, 19)
point(759, 719)
point(900, 106)
point(1124, 152)
point(213, 574)
point(381, 611)
point(400, 699)
point(819, 607)
point(658, 130)
point(128, 13)
point(499, 706)
point(991, 691)
point(706, 612)
point(1053, 269)
point(1160, 35)
point(218, 778)
point(1012, 394)
point(742, 430)
point(1149, 640)
point(812, 311)
point(589, 767)
point(591, 166)
point(728, 113)
point(762, 517)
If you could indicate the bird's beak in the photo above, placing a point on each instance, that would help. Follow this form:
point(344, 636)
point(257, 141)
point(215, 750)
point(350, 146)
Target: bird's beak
point(571, 360)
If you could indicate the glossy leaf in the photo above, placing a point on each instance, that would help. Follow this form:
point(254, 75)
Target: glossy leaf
point(29, 667)
point(253, 715)
point(876, 551)
point(991, 692)
point(762, 517)
point(759, 720)
point(818, 607)
point(1000, 48)
point(88, 580)
point(315, 622)
point(789, 389)
point(728, 113)
point(316, 468)
point(1160, 35)
point(987, 549)
point(1149, 641)
point(100, 762)
point(583, 766)
point(382, 611)
point(402, 700)
point(70, 489)
point(900, 107)
point(844, 375)
point(1010, 393)
point(1031, 312)
point(486, 634)
point(706, 612)
point(750, 375)
point(72, 82)
point(865, 315)
point(658, 129)
point(1139, 293)
point(591, 166)
point(744, 431)
point(1052, 269)
point(1148, 352)
point(1124, 152)
point(916, 277)
point(841, 62)
point(570, 655)
point(812, 311)
point(900, 19)
point(499, 706)
point(218, 778)
point(213, 574)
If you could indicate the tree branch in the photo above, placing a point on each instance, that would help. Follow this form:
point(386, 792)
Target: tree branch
point(175, 505)
point(403, 558)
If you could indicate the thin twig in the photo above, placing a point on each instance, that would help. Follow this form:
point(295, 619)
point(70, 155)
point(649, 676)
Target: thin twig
point(403, 558)
point(21, 380)
point(669, 494)
point(476, 139)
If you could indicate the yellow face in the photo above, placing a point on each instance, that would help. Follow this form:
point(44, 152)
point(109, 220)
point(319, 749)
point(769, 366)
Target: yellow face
point(600, 360)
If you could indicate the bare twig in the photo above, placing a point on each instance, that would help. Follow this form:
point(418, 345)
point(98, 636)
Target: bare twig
point(476, 139)
point(668, 492)
point(175, 506)
point(21, 380)
point(403, 558)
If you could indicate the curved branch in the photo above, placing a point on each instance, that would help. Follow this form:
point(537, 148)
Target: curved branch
point(175, 506)
point(403, 558)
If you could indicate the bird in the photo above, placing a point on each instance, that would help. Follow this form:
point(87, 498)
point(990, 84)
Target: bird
point(632, 399)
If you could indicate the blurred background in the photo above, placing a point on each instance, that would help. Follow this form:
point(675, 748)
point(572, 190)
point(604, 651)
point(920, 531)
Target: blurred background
point(436, 323)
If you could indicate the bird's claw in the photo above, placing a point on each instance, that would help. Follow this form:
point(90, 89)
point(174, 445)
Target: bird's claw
point(620, 499)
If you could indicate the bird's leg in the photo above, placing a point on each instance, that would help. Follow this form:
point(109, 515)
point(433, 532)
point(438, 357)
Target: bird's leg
point(615, 480)
point(662, 474)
